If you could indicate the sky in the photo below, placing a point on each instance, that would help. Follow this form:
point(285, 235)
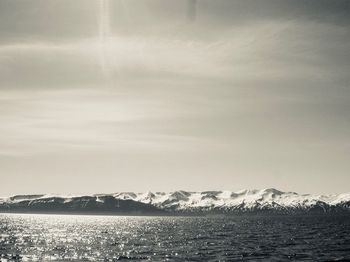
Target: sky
point(104, 96)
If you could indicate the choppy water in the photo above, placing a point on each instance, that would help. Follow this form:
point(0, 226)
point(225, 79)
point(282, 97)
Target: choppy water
point(98, 238)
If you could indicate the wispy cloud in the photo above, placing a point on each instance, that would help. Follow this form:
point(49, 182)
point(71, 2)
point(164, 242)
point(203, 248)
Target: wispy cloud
point(252, 92)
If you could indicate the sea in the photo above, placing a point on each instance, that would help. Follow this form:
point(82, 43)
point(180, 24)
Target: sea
point(25, 237)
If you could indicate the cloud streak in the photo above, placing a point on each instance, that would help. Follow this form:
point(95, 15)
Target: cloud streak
point(248, 94)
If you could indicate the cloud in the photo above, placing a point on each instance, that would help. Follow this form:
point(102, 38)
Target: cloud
point(246, 91)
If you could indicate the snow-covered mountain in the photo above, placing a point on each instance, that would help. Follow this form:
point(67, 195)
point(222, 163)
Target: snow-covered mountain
point(240, 201)
point(182, 202)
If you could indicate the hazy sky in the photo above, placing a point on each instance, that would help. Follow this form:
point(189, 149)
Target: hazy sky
point(137, 95)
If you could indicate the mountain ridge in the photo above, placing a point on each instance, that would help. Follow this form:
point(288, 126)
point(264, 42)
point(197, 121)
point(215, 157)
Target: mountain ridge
point(255, 201)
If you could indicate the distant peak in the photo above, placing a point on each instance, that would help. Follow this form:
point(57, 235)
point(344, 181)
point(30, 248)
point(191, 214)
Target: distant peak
point(273, 191)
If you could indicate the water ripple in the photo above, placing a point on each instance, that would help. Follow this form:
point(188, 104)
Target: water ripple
point(100, 238)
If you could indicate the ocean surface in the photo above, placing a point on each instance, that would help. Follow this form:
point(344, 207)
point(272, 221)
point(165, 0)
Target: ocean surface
point(111, 238)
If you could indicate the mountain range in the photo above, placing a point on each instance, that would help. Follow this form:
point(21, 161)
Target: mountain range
point(265, 201)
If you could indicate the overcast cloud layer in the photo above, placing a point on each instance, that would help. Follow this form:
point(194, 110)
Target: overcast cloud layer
point(226, 95)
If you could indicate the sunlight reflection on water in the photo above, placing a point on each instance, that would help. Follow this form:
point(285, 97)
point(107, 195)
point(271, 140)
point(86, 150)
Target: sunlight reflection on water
point(109, 238)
